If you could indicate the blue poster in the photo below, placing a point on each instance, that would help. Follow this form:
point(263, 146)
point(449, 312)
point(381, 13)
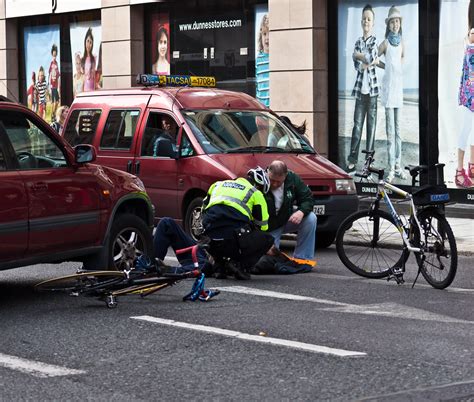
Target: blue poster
point(262, 55)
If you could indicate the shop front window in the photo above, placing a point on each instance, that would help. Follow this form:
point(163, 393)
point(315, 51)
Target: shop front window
point(378, 86)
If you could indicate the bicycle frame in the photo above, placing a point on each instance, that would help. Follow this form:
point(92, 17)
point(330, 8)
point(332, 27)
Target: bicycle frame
point(382, 194)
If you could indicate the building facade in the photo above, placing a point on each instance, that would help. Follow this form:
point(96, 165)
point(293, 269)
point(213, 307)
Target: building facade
point(299, 56)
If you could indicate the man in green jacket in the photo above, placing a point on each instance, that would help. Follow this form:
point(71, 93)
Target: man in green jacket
point(287, 192)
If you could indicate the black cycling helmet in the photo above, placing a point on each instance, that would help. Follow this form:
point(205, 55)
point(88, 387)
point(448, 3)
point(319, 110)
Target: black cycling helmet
point(259, 177)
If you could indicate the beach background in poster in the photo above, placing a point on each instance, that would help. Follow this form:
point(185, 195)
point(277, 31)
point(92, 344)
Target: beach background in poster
point(262, 65)
point(159, 20)
point(77, 33)
point(38, 43)
point(452, 32)
point(349, 23)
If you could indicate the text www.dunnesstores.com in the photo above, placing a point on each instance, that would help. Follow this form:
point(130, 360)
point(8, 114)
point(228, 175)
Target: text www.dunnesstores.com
point(210, 25)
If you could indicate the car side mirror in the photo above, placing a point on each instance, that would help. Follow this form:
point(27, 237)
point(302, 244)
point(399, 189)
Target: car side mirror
point(84, 153)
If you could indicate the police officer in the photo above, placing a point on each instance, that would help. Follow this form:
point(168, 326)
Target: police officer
point(235, 217)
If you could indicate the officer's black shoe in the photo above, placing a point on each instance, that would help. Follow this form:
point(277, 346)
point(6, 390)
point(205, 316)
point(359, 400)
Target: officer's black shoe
point(237, 270)
point(220, 270)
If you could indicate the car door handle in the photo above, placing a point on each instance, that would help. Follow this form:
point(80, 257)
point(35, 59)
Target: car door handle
point(137, 168)
point(129, 166)
point(39, 187)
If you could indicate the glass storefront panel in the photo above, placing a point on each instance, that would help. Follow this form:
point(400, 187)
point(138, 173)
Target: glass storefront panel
point(378, 85)
point(205, 38)
point(53, 62)
point(456, 93)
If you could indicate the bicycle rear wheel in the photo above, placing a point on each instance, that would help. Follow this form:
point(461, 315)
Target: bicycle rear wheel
point(369, 244)
point(439, 246)
point(83, 282)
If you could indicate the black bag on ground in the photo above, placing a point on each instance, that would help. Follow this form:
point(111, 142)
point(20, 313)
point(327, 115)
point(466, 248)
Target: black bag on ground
point(279, 265)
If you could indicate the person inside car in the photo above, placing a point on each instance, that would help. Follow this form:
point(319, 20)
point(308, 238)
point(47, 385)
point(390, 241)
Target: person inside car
point(164, 143)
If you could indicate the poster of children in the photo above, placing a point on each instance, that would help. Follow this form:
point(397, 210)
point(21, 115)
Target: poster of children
point(86, 56)
point(262, 57)
point(160, 44)
point(378, 85)
point(43, 70)
point(456, 92)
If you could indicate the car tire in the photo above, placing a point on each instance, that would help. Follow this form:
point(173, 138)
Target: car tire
point(324, 239)
point(129, 237)
point(193, 218)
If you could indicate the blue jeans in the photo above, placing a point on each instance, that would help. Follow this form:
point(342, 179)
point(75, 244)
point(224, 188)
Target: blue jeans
point(366, 106)
point(169, 234)
point(394, 140)
point(305, 239)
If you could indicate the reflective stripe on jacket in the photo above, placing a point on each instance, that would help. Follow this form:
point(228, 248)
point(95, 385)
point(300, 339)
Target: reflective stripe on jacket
point(242, 196)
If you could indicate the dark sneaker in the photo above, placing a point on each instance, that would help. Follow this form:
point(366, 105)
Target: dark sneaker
point(235, 268)
point(208, 294)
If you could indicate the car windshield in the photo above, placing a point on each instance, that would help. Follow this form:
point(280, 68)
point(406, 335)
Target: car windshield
point(230, 131)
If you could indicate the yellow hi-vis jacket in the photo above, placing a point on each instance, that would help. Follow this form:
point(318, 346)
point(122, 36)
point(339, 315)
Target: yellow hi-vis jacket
point(242, 196)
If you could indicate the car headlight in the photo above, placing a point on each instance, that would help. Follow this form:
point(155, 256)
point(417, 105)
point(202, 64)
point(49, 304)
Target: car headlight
point(346, 185)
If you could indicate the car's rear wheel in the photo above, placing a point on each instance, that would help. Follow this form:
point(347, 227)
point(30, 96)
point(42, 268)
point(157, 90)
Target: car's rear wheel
point(193, 218)
point(129, 238)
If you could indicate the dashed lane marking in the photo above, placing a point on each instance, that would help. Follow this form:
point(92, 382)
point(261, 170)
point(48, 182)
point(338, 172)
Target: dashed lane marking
point(254, 338)
point(393, 310)
point(35, 368)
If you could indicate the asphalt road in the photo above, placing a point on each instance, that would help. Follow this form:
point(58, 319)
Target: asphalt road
point(330, 335)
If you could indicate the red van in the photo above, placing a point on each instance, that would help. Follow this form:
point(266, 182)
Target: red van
point(210, 135)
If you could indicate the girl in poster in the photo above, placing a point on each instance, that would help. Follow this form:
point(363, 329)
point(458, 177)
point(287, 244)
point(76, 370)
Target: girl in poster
point(32, 94)
point(392, 90)
point(466, 100)
point(262, 62)
point(78, 78)
point(88, 62)
point(162, 65)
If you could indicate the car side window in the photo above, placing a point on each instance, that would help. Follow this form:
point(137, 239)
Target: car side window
point(119, 129)
point(82, 126)
point(3, 162)
point(186, 148)
point(33, 148)
point(159, 138)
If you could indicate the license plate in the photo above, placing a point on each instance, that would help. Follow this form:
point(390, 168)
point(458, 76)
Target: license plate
point(319, 209)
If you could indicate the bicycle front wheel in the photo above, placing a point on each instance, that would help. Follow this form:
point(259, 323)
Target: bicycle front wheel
point(83, 282)
point(439, 248)
point(369, 244)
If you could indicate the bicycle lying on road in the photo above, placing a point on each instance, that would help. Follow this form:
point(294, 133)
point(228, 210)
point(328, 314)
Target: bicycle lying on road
point(374, 243)
point(140, 277)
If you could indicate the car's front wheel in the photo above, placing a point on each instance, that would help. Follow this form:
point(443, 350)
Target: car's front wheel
point(129, 238)
point(193, 218)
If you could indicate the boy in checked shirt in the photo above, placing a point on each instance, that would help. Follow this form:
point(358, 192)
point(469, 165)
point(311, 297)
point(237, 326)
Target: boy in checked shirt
point(366, 88)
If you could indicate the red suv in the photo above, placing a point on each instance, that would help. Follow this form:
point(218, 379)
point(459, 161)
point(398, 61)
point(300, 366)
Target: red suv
point(56, 206)
point(181, 140)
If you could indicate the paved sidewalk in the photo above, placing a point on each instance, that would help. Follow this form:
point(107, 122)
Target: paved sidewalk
point(463, 229)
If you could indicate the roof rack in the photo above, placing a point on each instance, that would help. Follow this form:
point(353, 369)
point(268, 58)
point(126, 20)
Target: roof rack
point(149, 80)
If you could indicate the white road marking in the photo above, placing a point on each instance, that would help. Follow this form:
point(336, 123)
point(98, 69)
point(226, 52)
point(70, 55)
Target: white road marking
point(35, 368)
point(254, 338)
point(278, 295)
point(171, 259)
point(381, 309)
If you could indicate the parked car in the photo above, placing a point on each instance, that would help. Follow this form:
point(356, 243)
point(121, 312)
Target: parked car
point(211, 135)
point(57, 206)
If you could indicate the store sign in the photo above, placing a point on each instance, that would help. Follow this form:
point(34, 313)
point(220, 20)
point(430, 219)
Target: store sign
point(22, 8)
